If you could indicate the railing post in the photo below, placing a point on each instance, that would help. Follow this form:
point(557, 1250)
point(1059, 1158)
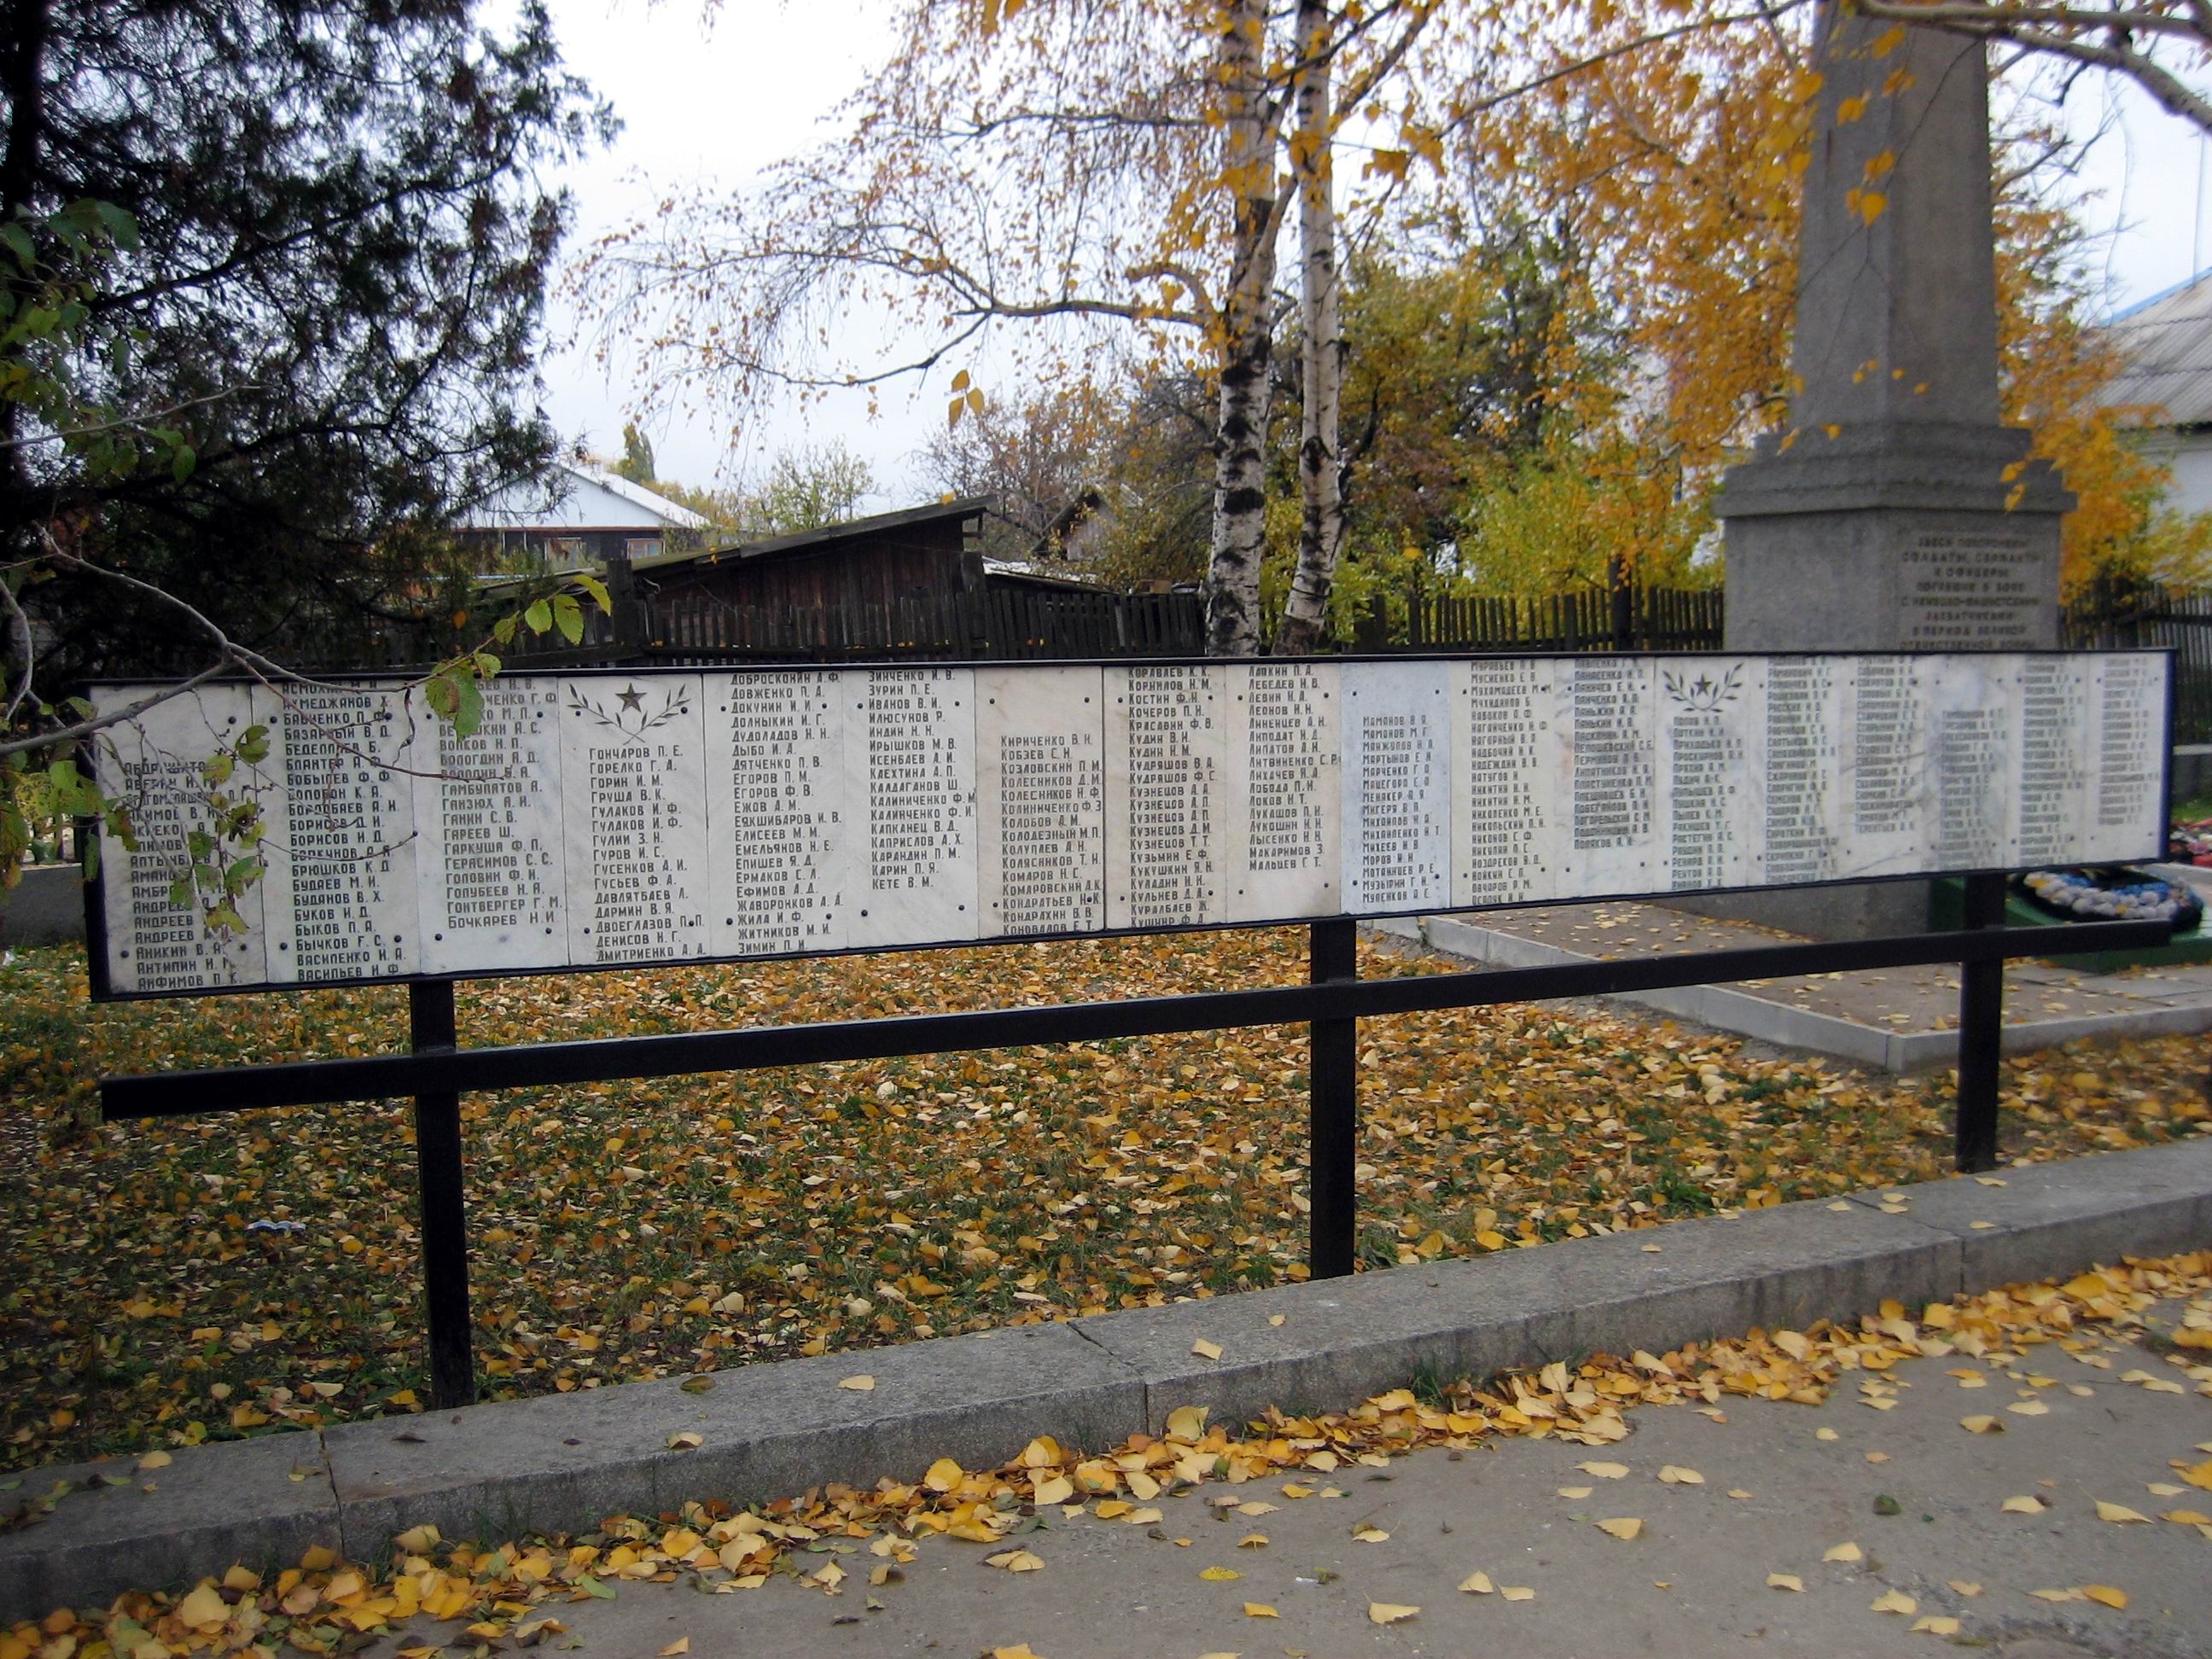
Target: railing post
point(444, 1207)
point(1333, 1112)
point(1981, 1032)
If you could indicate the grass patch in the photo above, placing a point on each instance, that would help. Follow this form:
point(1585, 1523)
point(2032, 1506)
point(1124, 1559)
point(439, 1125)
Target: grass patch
point(628, 1230)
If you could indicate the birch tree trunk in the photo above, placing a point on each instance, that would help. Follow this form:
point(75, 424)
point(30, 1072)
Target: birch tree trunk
point(1321, 356)
point(1251, 119)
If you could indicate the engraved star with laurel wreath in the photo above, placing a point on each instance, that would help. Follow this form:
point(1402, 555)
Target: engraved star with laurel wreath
point(632, 699)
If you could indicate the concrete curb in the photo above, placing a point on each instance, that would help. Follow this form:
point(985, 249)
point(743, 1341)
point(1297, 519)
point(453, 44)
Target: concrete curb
point(561, 1461)
point(1727, 1009)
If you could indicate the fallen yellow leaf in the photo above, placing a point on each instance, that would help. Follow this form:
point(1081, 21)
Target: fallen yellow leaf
point(1388, 1613)
point(155, 1460)
point(944, 1475)
point(1981, 1423)
point(2187, 1518)
point(1604, 1471)
point(1845, 1552)
point(2106, 1595)
point(861, 1384)
point(1516, 1592)
point(2119, 1512)
point(1937, 1624)
point(1896, 1602)
point(1576, 1491)
point(681, 1644)
point(204, 1608)
point(1623, 1527)
point(1785, 1581)
point(1675, 1475)
point(1965, 1587)
point(685, 1442)
point(1219, 1575)
point(1205, 1350)
point(1368, 1533)
point(1260, 1610)
point(1477, 1584)
point(2025, 1504)
point(1253, 1540)
point(1187, 1422)
point(1016, 1561)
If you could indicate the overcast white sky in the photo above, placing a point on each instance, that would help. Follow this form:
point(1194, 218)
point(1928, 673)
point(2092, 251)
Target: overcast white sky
point(718, 104)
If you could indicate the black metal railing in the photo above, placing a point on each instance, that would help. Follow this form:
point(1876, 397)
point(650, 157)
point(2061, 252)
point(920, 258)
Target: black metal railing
point(436, 1071)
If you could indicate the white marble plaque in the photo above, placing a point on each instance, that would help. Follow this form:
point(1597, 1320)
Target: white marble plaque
point(1040, 800)
point(1710, 728)
point(613, 820)
point(1887, 780)
point(633, 776)
point(1507, 809)
point(2126, 813)
point(1167, 796)
point(1285, 745)
point(340, 896)
point(1609, 777)
point(2057, 758)
point(910, 756)
point(490, 848)
point(1974, 756)
point(779, 826)
point(156, 943)
point(1396, 786)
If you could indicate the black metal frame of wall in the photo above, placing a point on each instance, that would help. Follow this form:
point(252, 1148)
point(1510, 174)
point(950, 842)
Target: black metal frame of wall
point(437, 1071)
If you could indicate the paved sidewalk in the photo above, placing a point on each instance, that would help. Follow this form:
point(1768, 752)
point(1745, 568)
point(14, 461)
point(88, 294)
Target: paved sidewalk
point(1781, 1487)
point(1899, 1020)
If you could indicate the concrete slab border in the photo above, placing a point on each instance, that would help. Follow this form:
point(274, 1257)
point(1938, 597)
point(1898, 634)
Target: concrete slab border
point(1725, 1008)
point(563, 1461)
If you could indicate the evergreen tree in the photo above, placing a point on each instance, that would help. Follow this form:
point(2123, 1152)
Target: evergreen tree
point(325, 332)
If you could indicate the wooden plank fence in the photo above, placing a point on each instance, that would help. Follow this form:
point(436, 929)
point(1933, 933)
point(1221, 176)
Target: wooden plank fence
point(1589, 619)
point(1010, 623)
point(2109, 616)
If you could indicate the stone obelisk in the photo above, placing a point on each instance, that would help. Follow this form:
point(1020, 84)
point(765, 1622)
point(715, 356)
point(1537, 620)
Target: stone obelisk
point(1898, 512)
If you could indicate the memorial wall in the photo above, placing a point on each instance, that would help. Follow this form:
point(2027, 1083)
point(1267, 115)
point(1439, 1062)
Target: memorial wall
point(615, 818)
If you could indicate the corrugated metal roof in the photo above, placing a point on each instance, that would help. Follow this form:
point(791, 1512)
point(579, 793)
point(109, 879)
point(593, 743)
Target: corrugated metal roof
point(2166, 345)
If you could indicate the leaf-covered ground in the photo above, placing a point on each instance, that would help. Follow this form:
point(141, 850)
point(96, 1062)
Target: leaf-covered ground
point(631, 1231)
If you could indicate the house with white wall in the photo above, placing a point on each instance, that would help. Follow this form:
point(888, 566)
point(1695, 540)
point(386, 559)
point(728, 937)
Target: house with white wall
point(2166, 346)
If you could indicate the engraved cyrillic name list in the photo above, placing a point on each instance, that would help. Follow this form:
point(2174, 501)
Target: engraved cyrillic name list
point(1610, 705)
point(1802, 747)
point(1888, 747)
point(911, 757)
point(2130, 743)
point(344, 903)
point(1041, 777)
point(1970, 755)
point(633, 768)
point(155, 942)
point(1507, 840)
point(1172, 803)
point(1705, 709)
point(2054, 759)
point(492, 827)
point(1396, 786)
point(776, 812)
point(1290, 764)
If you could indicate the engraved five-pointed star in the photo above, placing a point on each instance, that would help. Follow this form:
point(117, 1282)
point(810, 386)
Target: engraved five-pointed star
point(632, 699)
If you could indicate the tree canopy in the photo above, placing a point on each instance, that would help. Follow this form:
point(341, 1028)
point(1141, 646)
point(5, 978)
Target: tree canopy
point(323, 334)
